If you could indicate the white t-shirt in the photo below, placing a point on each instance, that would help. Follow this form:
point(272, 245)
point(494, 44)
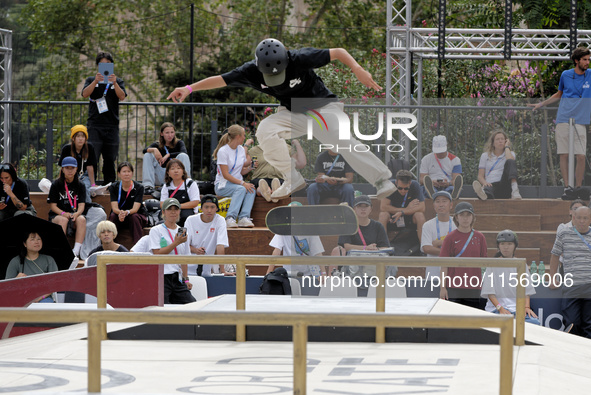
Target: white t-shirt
point(308, 245)
point(192, 191)
point(496, 282)
point(450, 164)
point(487, 162)
point(234, 159)
point(430, 234)
point(208, 235)
point(143, 245)
point(159, 231)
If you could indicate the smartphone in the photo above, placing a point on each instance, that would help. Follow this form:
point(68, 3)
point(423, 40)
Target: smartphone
point(182, 232)
point(254, 159)
point(106, 69)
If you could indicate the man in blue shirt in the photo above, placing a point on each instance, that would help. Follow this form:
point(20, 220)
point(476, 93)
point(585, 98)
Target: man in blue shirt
point(574, 87)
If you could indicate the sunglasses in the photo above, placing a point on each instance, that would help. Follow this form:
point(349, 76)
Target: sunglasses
point(403, 188)
point(4, 167)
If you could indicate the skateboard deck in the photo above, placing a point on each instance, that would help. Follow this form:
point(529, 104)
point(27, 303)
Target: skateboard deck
point(320, 220)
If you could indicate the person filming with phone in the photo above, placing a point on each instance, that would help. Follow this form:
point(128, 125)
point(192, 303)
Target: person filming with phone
point(104, 91)
point(170, 239)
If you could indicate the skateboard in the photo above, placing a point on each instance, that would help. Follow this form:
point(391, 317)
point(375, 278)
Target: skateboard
point(320, 220)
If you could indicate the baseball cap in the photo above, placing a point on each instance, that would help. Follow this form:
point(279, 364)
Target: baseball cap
point(442, 193)
point(210, 198)
point(79, 128)
point(168, 203)
point(362, 199)
point(439, 144)
point(69, 161)
point(464, 206)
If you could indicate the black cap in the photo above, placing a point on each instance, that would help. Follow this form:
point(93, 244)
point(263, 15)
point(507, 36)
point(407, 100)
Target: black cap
point(210, 198)
point(362, 199)
point(464, 206)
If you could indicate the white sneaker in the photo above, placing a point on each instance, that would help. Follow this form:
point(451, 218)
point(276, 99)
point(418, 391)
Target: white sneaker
point(479, 190)
point(384, 189)
point(265, 190)
point(516, 195)
point(275, 184)
point(245, 222)
point(289, 187)
point(231, 223)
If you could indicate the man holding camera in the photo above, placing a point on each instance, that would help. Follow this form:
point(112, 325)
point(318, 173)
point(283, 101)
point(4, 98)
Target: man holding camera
point(170, 239)
point(441, 170)
point(105, 91)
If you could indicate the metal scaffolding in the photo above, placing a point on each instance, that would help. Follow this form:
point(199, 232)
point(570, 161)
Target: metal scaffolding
point(5, 91)
point(408, 46)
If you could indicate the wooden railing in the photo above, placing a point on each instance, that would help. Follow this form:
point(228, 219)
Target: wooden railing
point(380, 262)
point(299, 322)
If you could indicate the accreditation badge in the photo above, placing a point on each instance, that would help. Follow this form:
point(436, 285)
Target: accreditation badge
point(102, 105)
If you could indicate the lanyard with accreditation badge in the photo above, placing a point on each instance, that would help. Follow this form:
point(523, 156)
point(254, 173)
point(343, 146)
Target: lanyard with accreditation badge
point(437, 225)
point(101, 103)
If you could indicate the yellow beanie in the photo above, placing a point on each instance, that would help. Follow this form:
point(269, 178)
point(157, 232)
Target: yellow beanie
point(79, 128)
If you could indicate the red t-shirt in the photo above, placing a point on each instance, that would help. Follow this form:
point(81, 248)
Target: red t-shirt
point(452, 245)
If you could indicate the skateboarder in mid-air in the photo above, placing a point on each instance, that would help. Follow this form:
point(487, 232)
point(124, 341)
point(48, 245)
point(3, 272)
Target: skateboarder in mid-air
point(289, 77)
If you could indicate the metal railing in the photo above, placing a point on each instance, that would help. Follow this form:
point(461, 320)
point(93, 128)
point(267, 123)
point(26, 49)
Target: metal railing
point(466, 124)
point(264, 260)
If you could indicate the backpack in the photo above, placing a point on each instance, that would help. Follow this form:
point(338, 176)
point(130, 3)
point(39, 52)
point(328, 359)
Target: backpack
point(153, 212)
point(276, 283)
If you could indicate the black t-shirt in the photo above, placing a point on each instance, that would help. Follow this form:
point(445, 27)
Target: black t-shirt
point(82, 164)
point(324, 164)
point(100, 248)
point(179, 148)
point(108, 118)
point(300, 80)
point(397, 200)
point(372, 233)
point(124, 201)
point(21, 190)
point(57, 194)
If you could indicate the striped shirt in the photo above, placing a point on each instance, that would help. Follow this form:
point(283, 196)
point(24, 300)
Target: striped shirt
point(576, 254)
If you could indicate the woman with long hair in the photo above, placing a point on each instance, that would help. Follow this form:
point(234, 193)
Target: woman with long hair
point(497, 170)
point(233, 162)
point(66, 199)
point(127, 210)
point(14, 195)
point(178, 185)
point(158, 154)
point(83, 151)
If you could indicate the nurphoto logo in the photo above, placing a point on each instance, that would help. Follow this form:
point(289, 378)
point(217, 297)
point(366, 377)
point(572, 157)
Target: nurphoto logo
point(344, 129)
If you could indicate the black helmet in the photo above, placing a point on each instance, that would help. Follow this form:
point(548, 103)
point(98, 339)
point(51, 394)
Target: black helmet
point(507, 235)
point(152, 205)
point(271, 59)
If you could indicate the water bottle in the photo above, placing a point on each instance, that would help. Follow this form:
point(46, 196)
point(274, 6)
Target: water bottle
point(163, 242)
point(541, 268)
point(533, 268)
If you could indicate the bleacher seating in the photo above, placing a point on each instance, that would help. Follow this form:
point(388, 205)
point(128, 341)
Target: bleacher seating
point(534, 220)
